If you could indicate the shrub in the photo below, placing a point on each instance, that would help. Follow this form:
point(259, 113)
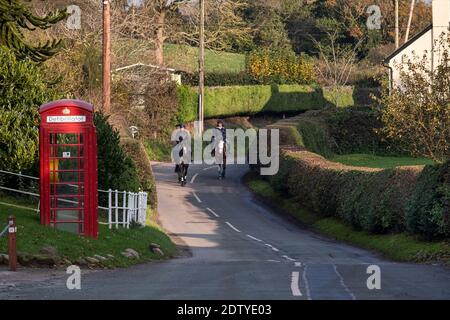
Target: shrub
point(187, 104)
point(416, 113)
point(219, 79)
point(279, 67)
point(23, 88)
point(115, 169)
point(428, 212)
point(374, 200)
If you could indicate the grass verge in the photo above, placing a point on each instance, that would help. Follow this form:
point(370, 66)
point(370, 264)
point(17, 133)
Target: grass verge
point(399, 247)
point(32, 237)
point(374, 161)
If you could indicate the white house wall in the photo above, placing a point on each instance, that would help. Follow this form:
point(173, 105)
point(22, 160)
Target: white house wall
point(421, 46)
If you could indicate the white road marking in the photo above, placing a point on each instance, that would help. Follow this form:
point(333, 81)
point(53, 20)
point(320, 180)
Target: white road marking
point(274, 261)
point(288, 258)
point(298, 264)
point(294, 284)
point(232, 227)
point(256, 239)
point(343, 283)
point(194, 177)
point(215, 214)
point(272, 247)
point(196, 197)
point(305, 280)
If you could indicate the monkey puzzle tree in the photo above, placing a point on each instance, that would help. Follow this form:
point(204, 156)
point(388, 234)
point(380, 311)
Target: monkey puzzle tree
point(16, 17)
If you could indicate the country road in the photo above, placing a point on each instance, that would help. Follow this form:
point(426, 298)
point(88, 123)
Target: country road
point(236, 248)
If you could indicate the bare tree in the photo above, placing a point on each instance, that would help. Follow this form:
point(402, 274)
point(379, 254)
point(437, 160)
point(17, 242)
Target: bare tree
point(336, 62)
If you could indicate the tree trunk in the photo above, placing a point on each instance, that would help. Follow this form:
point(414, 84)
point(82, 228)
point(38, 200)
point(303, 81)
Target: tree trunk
point(160, 38)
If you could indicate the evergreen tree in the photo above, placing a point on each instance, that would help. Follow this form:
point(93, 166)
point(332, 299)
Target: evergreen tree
point(15, 16)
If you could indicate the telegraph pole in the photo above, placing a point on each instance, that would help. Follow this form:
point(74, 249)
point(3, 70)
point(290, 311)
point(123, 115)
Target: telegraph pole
point(411, 11)
point(106, 57)
point(201, 67)
point(397, 32)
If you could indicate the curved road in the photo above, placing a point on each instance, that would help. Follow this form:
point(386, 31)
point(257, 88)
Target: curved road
point(236, 248)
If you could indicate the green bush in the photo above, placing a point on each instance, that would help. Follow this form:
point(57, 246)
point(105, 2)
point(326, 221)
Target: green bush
point(219, 79)
point(187, 104)
point(428, 212)
point(314, 137)
point(116, 170)
point(23, 88)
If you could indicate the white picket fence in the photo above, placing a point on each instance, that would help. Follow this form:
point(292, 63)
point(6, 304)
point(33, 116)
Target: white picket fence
point(123, 207)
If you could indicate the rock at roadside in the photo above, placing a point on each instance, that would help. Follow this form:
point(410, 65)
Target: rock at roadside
point(131, 254)
point(44, 260)
point(99, 257)
point(91, 260)
point(4, 258)
point(158, 251)
point(25, 259)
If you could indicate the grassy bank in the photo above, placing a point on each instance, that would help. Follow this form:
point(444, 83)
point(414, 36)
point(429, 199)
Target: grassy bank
point(400, 247)
point(32, 237)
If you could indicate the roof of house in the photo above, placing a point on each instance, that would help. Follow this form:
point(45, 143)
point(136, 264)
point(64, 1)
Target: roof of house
point(408, 43)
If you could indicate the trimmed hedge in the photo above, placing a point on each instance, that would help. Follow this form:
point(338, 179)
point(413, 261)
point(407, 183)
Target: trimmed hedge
point(254, 99)
point(375, 200)
point(336, 131)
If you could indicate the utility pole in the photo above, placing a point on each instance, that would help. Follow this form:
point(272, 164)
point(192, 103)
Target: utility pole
point(397, 32)
point(201, 67)
point(106, 57)
point(413, 2)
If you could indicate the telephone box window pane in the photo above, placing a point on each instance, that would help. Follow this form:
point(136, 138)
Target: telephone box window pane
point(67, 138)
point(68, 189)
point(71, 176)
point(68, 215)
point(66, 151)
point(67, 202)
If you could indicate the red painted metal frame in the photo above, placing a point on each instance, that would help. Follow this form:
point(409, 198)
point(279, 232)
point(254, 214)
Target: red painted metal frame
point(88, 169)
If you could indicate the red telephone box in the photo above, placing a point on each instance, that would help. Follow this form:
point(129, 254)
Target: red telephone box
point(68, 167)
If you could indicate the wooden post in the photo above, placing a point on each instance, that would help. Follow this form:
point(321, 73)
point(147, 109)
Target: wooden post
point(12, 253)
point(201, 65)
point(106, 57)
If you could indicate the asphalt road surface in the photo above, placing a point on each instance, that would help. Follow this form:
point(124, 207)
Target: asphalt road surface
point(236, 248)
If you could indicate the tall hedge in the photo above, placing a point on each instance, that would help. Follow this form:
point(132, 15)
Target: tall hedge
point(375, 200)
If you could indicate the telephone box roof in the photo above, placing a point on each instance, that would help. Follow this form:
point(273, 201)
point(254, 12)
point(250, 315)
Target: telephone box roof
point(67, 103)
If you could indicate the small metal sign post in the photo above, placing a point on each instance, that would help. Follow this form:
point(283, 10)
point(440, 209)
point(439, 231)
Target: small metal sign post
point(12, 253)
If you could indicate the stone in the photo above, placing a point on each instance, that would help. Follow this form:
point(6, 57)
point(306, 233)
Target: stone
point(4, 258)
point(130, 253)
point(42, 259)
point(25, 259)
point(92, 260)
point(99, 257)
point(66, 262)
point(154, 245)
point(110, 256)
point(80, 262)
point(158, 251)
